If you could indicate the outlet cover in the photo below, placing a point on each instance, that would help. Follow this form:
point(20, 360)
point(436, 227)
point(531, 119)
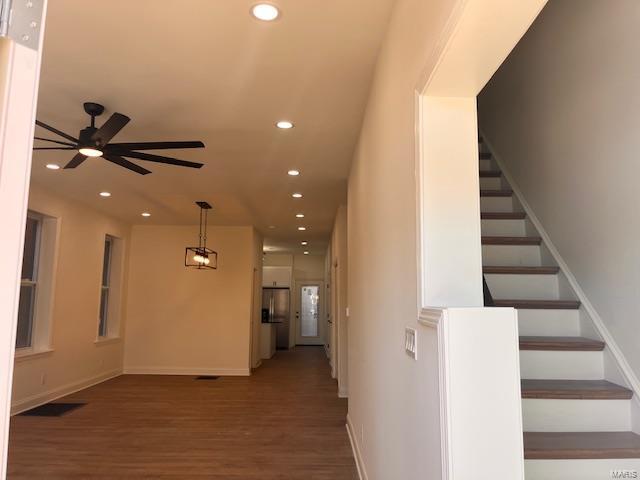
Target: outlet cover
point(411, 342)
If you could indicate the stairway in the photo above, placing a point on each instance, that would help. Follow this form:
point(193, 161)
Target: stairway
point(577, 424)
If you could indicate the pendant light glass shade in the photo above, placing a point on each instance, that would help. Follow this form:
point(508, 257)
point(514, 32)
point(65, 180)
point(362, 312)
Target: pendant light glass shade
point(201, 257)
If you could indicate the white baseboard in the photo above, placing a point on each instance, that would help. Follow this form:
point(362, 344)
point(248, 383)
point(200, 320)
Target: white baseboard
point(50, 395)
point(223, 372)
point(343, 393)
point(362, 472)
point(621, 363)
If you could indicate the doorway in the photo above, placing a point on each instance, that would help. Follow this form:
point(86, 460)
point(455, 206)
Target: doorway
point(309, 327)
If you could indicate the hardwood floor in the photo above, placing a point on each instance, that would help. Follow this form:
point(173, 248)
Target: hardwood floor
point(283, 422)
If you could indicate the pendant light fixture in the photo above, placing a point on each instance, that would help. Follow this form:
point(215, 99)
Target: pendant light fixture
point(201, 257)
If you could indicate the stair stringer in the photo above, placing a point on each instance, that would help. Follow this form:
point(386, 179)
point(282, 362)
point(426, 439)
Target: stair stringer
point(616, 367)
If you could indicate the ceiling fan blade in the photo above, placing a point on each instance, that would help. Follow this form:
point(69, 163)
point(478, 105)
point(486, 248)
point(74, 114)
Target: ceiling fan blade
point(158, 159)
point(110, 128)
point(56, 131)
point(125, 163)
point(54, 148)
point(156, 145)
point(75, 161)
point(55, 141)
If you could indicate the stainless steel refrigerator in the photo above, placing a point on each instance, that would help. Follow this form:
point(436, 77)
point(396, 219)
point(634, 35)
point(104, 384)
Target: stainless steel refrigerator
point(275, 309)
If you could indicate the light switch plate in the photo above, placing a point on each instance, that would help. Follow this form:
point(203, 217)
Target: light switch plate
point(411, 342)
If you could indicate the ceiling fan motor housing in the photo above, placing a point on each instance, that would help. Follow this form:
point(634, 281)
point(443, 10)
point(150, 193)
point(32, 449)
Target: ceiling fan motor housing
point(86, 140)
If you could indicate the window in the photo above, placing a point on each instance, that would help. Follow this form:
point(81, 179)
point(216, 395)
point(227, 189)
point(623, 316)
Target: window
point(28, 285)
point(103, 328)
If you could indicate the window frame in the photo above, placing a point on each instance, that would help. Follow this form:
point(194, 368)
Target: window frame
point(105, 288)
point(32, 282)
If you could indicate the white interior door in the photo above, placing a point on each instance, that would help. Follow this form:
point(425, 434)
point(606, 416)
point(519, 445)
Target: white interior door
point(309, 311)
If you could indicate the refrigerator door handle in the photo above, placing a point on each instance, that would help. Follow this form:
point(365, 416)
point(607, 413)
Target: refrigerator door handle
point(271, 308)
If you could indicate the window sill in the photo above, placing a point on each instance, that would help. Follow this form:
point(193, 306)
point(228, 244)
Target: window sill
point(28, 353)
point(107, 340)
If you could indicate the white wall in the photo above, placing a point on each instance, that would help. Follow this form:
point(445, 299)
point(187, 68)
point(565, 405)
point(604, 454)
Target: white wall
point(563, 114)
point(186, 321)
point(394, 419)
point(257, 299)
point(340, 269)
point(394, 402)
point(76, 359)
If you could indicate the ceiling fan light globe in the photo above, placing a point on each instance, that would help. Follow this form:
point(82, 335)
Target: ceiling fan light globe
point(90, 152)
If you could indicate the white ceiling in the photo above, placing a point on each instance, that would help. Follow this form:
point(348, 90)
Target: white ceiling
point(207, 70)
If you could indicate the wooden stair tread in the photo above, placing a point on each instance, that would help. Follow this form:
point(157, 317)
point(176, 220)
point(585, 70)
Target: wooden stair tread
point(561, 343)
point(490, 173)
point(538, 304)
point(520, 270)
point(496, 193)
point(567, 445)
point(574, 389)
point(494, 240)
point(503, 215)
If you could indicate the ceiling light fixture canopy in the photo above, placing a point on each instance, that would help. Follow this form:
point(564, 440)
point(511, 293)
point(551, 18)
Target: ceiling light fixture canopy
point(201, 257)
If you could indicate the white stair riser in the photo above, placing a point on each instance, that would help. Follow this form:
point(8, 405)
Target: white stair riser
point(496, 204)
point(579, 469)
point(514, 228)
point(550, 323)
point(486, 165)
point(557, 415)
point(491, 183)
point(561, 365)
point(524, 287)
point(511, 255)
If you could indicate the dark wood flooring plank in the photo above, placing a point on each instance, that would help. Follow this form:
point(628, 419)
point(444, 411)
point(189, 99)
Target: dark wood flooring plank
point(575, 389)
point(560, 343)
point(283, 422)
point(566, 445)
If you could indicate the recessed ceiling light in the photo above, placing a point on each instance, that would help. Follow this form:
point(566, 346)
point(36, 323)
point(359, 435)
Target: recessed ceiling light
point(265, 11)
point(105, 194)
point(304, 243)
point(145, 214)
point(293, 173)
point(53, 166)
point(299, 215)
point(284, 124)
point(272, 227)
point(297, 195)
point(306, 253)
point(302, 229)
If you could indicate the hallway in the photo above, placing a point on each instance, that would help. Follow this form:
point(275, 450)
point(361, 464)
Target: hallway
point(283, 422)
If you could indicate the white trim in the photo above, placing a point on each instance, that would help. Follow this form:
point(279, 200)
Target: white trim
point(107, 340)
point(431, 317)
point(621, 362)
point(440, 49)
point(50, 395)
point(357, 455)
point(29, 353)
point(186, 371)
point(435, 318)
point(343, 393)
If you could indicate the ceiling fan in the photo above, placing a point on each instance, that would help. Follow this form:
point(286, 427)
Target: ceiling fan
point(95, 142)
